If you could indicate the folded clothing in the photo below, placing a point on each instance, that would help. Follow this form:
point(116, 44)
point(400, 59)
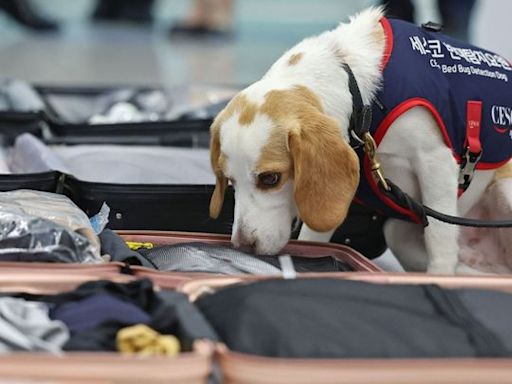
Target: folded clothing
point(26, 326)
point(328, 318)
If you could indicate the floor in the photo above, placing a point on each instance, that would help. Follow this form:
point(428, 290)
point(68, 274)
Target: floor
point(103, 54)
point(88, 53)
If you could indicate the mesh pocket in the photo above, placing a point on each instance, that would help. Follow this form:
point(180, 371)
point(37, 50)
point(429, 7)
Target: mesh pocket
point(201, 257)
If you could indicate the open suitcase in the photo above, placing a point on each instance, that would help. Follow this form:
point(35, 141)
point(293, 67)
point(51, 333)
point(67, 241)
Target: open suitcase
point(242, 368)
point(45, 274)
point(343, 254)
point(236, 367)
point(194, 366)
point(191, 366)
point(179, 116)
point(140, 196)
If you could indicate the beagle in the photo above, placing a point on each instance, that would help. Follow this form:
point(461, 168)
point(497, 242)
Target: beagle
point(285, 143)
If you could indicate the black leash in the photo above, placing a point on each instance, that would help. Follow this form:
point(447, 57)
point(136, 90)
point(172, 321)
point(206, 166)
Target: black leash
point(421, 211)
point(467, 222)
point(360, 123)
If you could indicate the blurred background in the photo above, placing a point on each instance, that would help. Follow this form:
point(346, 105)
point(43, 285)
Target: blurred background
point(170, 42)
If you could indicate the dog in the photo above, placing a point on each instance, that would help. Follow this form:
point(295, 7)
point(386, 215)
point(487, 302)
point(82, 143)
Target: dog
point(284, 142)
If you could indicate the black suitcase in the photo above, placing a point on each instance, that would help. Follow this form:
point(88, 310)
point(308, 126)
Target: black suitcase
point(55, 108)
point(21, 110)
point(185, 208)
point(156, 206)
point(186, 132)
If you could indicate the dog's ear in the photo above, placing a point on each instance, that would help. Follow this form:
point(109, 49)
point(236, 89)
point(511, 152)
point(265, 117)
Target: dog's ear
point(326, 172)
point(221, 183)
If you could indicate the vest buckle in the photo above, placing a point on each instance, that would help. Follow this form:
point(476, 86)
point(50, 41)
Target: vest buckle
point(468, 167)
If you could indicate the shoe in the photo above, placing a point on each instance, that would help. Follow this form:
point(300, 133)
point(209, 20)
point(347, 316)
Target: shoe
point(134, 11)
point(23, 12)
point(199, 30)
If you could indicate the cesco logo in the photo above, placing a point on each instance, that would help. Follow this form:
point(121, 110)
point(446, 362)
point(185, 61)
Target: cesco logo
point(502, 118)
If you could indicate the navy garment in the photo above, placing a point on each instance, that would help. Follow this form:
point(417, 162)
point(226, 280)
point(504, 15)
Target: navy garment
point(426, 68)
point(98, 309)
point(169, 312)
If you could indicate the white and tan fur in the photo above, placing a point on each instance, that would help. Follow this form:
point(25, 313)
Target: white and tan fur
point(295, 121)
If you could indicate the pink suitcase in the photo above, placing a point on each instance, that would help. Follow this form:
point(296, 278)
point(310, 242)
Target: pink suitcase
point(242, 368)
point(297, 248)
point(76, 367)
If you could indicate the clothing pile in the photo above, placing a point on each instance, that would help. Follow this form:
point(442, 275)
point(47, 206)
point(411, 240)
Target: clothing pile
point(102, 316)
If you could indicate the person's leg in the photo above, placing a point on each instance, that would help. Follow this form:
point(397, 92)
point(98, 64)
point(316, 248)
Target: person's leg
point(456, 15)
point(207, 17)
point(400, 9)
point(24, 13)
point(138, 11)
point(220, 14)
point(106, 10)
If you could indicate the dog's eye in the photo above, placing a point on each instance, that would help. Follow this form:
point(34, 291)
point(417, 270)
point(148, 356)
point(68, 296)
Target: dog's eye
point(268, 179)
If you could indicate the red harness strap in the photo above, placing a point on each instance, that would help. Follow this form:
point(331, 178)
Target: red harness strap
point(473, 151)
point(474, 118)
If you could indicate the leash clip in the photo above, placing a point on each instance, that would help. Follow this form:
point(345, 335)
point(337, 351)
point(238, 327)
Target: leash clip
point(467, 168)
point(371, 151)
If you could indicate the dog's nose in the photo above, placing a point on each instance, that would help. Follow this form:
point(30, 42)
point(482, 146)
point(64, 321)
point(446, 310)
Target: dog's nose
point(243, 242)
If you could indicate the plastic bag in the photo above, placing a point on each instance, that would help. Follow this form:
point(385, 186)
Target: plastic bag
point(36, 222)
point(33, 239)
point(100, 220)
point(57, 208)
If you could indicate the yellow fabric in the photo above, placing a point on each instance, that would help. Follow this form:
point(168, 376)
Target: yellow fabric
point(134, 245)
point(143, 340)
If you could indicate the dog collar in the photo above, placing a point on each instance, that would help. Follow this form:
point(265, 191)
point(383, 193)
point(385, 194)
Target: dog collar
point(361, 117)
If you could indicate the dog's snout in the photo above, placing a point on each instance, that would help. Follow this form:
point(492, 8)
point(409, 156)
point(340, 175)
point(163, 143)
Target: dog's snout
point(244, 241)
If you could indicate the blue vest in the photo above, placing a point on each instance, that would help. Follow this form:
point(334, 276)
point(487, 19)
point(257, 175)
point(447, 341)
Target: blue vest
point(464, 87)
